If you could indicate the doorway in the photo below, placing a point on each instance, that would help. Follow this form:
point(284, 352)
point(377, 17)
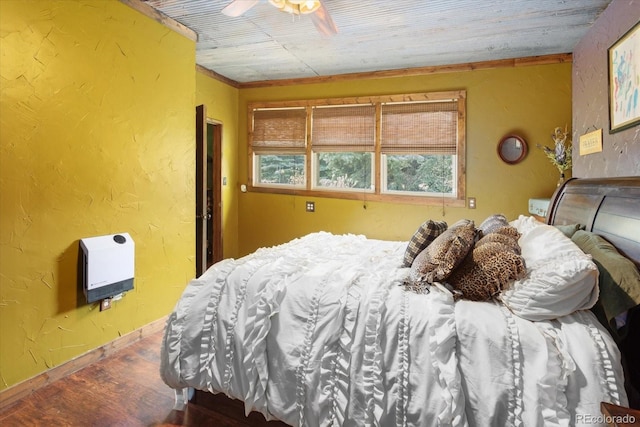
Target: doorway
point(208, 191)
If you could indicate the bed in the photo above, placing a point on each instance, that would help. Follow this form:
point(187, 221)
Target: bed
point(324, 330)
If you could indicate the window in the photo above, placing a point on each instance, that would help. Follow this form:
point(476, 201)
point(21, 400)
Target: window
point(401, 147)
point(278, 142)
point(343, 147)
point(419, 146)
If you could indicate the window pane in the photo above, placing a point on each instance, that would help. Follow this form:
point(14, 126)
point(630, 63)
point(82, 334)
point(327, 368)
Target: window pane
point(283, 169)
point(344, 170)
point(419, 173)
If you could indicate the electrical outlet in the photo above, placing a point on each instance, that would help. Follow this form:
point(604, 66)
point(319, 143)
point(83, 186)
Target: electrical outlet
point(472, 202)
point(311, 206)
point(105, 304)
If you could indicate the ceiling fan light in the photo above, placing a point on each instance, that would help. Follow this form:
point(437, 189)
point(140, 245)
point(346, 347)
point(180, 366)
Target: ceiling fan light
point(296, 6)
point(309, 6)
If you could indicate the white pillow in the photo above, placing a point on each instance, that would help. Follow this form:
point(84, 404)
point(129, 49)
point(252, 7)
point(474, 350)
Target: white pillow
point(560, 277)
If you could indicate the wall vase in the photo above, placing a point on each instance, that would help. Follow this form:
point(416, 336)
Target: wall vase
point(561, 179)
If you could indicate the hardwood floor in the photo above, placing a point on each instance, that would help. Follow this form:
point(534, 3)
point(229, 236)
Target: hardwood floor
point(124, 389)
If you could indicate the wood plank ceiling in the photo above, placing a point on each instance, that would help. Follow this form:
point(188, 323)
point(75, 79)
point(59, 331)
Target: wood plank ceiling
point(374, 35)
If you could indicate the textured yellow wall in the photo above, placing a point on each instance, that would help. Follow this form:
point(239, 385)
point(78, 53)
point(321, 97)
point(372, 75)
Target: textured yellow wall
point(96, 137)
point(530, 101)
point(221, 101)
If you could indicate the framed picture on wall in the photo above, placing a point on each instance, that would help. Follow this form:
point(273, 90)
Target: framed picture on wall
point(624, 81)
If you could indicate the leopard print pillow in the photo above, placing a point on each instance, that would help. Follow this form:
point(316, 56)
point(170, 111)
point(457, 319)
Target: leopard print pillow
point(436, 262)
point(506, 230)
point(506, 235)
point(489, 268)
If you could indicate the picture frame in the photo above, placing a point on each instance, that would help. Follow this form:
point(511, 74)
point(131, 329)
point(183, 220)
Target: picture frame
point(624, 81)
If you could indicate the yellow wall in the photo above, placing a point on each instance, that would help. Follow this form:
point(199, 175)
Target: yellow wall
point(530, 101)
point(221, 101)
point(96, 137)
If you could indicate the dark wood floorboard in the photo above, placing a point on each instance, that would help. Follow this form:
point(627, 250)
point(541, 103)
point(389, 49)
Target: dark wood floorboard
point(124, 389)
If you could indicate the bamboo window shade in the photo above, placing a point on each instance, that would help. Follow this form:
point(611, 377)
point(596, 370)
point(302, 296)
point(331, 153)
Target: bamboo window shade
point(420, 127)
point(277, 130)
point(344, 128)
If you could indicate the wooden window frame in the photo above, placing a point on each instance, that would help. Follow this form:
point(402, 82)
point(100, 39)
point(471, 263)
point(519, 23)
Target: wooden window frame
point(376, 195)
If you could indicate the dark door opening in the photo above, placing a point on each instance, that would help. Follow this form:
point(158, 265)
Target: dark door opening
point(214, 193)
point(208, 191)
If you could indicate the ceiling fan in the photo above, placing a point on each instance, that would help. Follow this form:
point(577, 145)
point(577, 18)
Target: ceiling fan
point(319, 14)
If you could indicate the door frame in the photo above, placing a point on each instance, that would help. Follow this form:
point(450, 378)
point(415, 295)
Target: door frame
point(202, 215)
point(201, 189)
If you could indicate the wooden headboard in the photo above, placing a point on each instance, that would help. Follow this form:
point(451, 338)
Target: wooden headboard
point(609, 207)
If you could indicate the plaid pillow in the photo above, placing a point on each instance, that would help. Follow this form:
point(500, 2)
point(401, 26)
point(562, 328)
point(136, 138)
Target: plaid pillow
point(424, 235)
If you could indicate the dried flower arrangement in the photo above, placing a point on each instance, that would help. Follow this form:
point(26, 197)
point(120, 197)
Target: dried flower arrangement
point(560, 154)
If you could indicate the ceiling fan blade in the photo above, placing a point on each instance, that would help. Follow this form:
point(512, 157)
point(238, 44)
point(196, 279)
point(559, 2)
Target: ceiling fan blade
point(238, 7)
point(323, 22)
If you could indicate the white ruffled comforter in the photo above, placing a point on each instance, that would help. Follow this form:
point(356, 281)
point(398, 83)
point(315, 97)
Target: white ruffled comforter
point(319, 331)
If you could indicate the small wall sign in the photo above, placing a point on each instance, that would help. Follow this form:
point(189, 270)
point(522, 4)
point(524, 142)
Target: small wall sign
point(591, 142)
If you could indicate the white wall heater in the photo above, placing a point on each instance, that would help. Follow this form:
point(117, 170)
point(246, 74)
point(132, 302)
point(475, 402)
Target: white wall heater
point(107, 265)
